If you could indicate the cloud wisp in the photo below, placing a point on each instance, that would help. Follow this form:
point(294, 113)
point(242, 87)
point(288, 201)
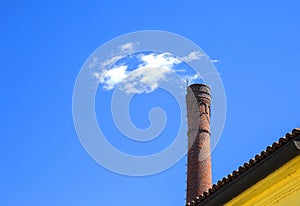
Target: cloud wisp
point(194, 55)
point(214, 61)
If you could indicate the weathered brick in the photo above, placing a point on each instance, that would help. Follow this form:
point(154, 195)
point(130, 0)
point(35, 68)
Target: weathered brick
point(199, 178)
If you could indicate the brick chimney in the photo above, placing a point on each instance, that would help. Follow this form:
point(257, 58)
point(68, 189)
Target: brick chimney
point(199, 178)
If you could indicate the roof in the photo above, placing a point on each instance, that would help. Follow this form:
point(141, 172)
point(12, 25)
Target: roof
point(276, 155)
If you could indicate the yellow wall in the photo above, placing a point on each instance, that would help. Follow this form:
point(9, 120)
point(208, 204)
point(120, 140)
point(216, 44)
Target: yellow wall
point(280, 188)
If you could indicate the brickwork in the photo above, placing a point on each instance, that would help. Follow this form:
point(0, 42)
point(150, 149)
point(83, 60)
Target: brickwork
point(199, 178)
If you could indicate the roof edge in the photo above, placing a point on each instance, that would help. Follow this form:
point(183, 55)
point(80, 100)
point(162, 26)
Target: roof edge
point(250, 173)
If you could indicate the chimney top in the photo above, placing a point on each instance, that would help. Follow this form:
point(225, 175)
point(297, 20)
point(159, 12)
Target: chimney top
point(201, 92)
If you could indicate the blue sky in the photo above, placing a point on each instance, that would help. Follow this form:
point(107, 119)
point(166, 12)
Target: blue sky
point(43, 46)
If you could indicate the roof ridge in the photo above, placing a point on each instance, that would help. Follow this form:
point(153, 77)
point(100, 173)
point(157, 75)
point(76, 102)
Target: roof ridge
point(246, 166)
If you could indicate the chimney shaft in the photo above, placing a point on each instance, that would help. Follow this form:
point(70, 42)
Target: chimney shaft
point(199, 178)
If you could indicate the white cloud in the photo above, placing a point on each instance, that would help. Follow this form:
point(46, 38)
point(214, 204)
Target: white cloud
point(194, 55)
point(112, 77)
point(144, 78)
point(150, 73)
point(159, 60)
